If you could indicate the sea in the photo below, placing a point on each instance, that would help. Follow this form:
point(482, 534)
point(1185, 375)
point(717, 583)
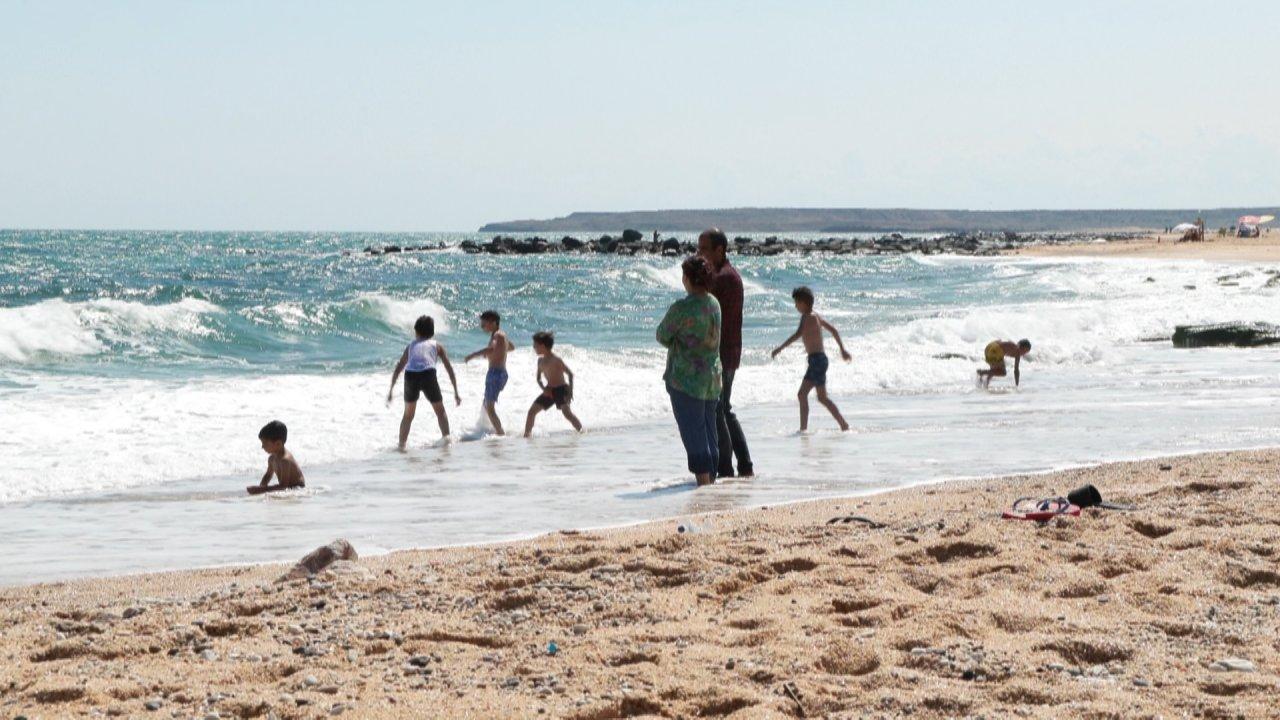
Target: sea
point(137, 367)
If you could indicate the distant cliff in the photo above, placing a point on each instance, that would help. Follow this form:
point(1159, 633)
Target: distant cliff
point(836, 220)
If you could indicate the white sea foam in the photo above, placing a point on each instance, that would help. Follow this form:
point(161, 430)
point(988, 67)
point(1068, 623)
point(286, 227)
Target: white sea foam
point(671, 278)
point(400, 313)
point(395, 313)
point(60, 328)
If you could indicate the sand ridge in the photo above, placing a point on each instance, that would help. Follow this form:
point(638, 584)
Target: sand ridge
point(1264, 248)
point(944, 611)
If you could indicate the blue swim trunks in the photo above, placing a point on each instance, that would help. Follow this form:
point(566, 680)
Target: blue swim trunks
point(817, 372)
point(493, 384)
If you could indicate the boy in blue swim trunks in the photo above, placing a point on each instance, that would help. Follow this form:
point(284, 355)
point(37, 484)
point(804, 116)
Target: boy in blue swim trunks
point(815, 377)
point(496, 379)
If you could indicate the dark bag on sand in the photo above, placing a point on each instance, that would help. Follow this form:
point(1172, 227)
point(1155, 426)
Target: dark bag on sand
point(1088, 496)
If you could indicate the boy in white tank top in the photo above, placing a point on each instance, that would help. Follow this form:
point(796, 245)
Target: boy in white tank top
point(418, 362)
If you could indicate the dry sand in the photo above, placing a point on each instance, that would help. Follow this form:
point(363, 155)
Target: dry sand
point(1265, 248)
point(946, 612)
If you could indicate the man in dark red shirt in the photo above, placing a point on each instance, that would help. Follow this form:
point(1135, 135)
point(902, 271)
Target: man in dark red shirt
point(726, 286)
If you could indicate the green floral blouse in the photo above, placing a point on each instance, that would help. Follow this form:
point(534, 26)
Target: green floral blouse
point(691, 333)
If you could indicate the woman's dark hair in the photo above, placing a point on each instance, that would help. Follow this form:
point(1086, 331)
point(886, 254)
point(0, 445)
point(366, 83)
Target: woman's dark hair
point(492, 316)
point(545, 339)
point(274, 430)
point(424, 326)
point(803, 294)
point(698, 272)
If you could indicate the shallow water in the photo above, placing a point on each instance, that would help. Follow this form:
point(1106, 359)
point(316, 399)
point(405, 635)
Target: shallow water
point(136, 369)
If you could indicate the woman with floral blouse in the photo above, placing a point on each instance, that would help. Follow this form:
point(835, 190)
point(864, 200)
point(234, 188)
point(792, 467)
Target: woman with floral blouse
point(690, 332)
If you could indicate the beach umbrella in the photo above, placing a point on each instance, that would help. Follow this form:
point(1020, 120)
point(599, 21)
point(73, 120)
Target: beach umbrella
point(1184, 227)
point(1255, 219)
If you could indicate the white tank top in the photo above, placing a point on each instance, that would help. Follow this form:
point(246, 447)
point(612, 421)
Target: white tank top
point(422, 355)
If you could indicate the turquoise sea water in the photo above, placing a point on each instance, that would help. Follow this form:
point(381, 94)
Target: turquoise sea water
point(136, 368)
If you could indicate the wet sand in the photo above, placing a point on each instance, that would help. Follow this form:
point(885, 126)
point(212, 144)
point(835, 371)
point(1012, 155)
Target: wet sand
point(1265, 248)
point(944, 611)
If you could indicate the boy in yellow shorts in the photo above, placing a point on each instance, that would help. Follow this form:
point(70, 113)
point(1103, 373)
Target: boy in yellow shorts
point(995, 354)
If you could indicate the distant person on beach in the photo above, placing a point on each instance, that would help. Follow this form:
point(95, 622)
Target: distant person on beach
point(280, 462)
point(690, 331)
point(419, 362)
point(556, 390)
point(995, 354)
point(726, 286)
point(815, 377)
point(496, 379)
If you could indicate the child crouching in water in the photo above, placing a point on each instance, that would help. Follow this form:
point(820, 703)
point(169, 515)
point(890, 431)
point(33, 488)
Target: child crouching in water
point(280, 462)
point(419, 365)
point(555, 391)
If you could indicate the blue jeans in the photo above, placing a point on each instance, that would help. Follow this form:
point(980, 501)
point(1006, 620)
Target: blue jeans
point(697, 422)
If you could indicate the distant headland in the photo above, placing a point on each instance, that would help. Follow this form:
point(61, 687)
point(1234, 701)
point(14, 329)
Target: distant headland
point(874, 220)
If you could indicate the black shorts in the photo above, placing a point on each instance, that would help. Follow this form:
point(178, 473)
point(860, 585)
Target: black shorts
point(425, 382)
point(560, 396)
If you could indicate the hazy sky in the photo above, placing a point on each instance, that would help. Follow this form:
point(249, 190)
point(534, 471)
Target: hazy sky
point(420, 116)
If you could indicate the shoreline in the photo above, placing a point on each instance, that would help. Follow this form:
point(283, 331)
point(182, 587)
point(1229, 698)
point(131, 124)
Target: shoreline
point(631, 524)
point(1160, 246)
point(944, 611)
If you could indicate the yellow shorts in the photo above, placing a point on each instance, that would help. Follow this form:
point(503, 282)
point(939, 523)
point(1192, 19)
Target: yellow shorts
point(994, 353)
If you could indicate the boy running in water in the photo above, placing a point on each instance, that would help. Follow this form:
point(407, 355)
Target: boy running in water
point(811, 327)
point(496, 379)
point(419, 365)
point(555, 391)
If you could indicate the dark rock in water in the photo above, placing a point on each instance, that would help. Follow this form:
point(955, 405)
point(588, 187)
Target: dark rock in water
point(1226, 334)
point(320, 558)
point(529, 246)
point(633, 243)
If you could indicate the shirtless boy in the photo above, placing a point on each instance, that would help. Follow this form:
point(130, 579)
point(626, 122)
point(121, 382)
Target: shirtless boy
point(995, 354)
point(810, 330)
point(496, 351)
point(280, 462)
point(555, 391)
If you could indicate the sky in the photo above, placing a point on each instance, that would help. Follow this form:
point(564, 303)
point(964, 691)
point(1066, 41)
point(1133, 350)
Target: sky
point(390, 116)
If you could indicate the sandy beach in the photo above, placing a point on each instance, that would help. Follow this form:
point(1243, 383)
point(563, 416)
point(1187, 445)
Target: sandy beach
point(1264, 248)
point(1171, 610)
